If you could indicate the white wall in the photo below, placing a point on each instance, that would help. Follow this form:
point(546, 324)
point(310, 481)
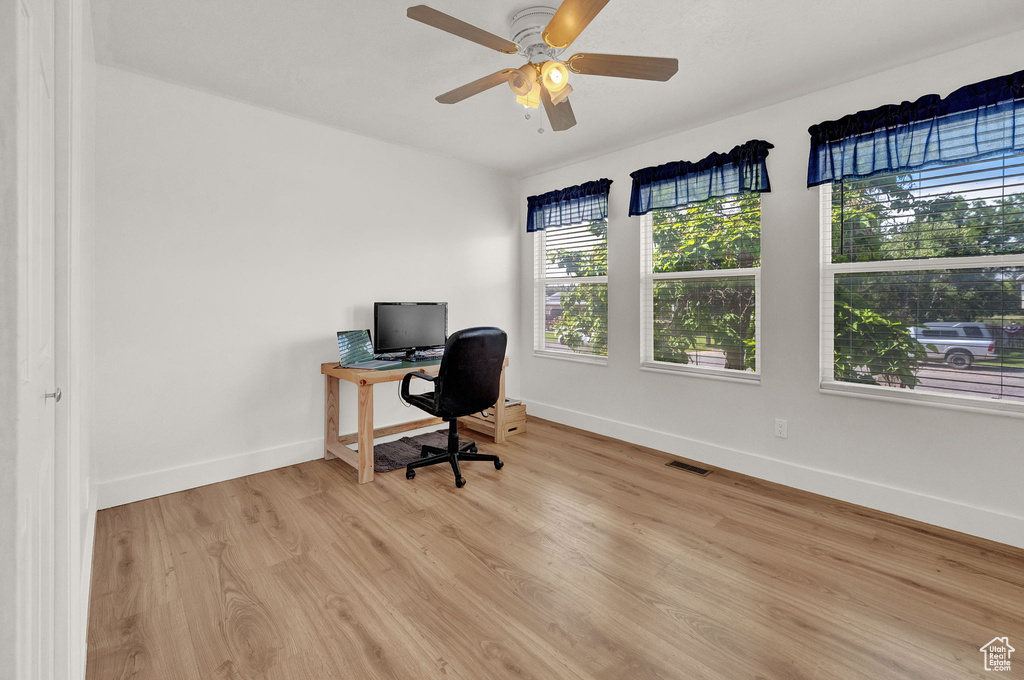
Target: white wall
point(952, 468)
point(231, 243)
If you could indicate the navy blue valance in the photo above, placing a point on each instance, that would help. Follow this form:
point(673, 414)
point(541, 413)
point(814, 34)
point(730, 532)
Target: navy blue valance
point(572, 205)
point(976, 121)
point(720, 174)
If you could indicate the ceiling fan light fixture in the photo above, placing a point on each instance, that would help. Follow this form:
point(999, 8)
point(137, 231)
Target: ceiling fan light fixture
point(560, 96)
point(554, 75)
point(523, 80)
point(531, 100)
point(539, 34)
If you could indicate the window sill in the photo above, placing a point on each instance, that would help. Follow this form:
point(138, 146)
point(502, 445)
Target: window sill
point(892, 394)
point(744, 377)
point(568, 356)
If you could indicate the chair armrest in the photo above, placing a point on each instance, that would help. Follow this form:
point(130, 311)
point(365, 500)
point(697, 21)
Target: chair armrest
point(407, 378)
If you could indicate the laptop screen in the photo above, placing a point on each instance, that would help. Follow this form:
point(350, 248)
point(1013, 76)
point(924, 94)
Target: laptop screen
point(354, 347)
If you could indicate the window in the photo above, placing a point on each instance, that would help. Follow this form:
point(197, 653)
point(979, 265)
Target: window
point(923, 247)
point(572, 289)
point(924, 280)
point(701, 266)
point(570, 229)
point(701, 283)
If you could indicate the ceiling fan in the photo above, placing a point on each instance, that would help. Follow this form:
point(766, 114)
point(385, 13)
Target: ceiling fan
point(540, 34)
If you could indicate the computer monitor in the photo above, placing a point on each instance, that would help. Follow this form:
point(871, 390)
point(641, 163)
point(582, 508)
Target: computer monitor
point(409, 326)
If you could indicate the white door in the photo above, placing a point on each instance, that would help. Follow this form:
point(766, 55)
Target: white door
point(36, 314)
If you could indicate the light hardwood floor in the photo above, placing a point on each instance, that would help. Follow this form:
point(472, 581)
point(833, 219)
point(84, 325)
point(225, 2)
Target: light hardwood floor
point(585, 557)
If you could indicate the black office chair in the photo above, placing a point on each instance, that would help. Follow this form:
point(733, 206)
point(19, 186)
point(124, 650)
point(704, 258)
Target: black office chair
point(468, 381)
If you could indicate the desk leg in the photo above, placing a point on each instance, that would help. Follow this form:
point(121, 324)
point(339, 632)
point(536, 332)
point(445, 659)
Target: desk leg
point(365, 434)
point(499, 411)
point(330, 416)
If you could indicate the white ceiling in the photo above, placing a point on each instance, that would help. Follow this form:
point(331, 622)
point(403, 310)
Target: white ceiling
point(364, 67)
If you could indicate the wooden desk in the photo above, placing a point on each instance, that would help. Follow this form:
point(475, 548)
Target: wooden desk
point(336, 446)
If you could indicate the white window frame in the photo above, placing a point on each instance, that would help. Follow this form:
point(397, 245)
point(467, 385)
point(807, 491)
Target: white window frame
point(829, 269)
point(648, 277)
point(540, 282)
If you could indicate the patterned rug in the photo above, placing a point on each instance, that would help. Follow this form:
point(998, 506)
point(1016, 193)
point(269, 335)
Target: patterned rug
point(399, 453)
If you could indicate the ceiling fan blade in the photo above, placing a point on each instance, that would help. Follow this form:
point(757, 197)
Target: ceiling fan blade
point(622, 66)
point(560, 115)
point(431, 17)
point(570, 20)
point(475, 87)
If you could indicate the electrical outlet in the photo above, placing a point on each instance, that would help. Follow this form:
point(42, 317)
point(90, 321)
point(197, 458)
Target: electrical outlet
point(780, 428)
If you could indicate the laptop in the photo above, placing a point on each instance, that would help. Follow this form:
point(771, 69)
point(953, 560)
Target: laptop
point(356, 350)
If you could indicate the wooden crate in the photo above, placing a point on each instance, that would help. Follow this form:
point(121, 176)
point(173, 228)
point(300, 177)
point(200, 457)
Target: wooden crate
point(515, 421)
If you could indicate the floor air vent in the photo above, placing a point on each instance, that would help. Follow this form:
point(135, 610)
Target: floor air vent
point(689, 468)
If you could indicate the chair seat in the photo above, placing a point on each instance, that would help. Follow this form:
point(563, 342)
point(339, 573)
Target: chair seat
point(423, 401)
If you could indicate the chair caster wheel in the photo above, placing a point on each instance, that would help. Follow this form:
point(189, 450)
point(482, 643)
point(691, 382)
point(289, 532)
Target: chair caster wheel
point(472, 448)
point(409, 474)
point(460, 482)
point(498, 464)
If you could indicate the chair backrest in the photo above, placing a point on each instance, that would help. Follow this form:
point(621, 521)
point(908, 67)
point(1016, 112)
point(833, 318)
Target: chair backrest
point(469, 377)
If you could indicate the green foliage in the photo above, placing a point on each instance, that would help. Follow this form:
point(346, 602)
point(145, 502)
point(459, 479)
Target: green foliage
point(874, 219)
point(588, 253)
point(875, 350)
point(914, 216)
point(916, 298)
point(689, 315)
point(694, 314)
point(861, 216)
point(720, 233)
point(717, 313)
point(582, 325)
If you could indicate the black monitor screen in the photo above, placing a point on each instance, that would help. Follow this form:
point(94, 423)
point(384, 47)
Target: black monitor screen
point(404, 326)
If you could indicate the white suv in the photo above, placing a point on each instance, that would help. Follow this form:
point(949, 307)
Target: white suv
point(959, 344)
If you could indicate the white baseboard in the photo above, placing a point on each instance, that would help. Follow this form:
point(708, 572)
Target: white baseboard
point(969, 519)
point(169, 480)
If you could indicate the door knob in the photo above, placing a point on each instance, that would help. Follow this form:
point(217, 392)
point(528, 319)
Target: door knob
point(54, 395)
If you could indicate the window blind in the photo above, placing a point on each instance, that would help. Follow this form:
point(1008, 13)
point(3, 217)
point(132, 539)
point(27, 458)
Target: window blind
point(577, 251)
point(954, 323)
point(967, 209)
point(719, 234)
point(705, 322)
point(571, 297)
point(923, 280)
point(701, 277)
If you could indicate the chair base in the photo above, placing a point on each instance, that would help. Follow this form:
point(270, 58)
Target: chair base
point(452, 455)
